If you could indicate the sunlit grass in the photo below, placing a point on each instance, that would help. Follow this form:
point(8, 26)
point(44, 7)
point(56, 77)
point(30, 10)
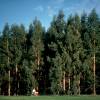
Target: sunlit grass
point(50, 97)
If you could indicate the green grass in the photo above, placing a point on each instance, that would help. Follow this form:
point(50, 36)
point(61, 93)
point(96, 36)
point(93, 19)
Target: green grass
point(50, 97)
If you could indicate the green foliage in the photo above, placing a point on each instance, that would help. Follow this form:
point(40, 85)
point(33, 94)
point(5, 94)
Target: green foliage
point(25, 82)
point(56, 33)
point(57, 61)
point(56, 75)
point(35, 51)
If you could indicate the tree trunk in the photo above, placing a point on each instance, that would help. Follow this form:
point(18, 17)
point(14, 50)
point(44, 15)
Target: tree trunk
point(94, 67)
point(94, 91)
point(69, 84)
point(79, 85)
point(75, 90)
point(9, 83)
point(64, 84)
point(16, 80)
point(38, 64)
point(9, 69)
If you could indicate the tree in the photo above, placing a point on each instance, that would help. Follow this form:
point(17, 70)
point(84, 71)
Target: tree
point(18, 49)
point(56, 33)
point(73, 47)
point(86, 61)
point(93, 27)
point(36, 50)
point(5, 53)
point(98, 60)
point(63, 60)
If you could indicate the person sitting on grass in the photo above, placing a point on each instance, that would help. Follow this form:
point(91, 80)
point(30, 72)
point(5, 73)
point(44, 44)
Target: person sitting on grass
point(35, 93)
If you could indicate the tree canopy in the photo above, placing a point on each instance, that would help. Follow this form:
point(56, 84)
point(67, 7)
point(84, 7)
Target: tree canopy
point(65, 59)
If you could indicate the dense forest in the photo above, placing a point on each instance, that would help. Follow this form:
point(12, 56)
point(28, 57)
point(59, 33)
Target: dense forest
point(65, 59)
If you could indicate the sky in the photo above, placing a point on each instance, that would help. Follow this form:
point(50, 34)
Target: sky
point(24, 11)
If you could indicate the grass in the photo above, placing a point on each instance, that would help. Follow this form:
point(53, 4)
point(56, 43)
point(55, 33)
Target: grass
point(50, 97)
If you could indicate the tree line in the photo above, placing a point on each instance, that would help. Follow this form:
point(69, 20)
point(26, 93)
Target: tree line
point(65, 59)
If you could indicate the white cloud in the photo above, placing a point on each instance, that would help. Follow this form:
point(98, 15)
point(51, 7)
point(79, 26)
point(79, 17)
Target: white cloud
point(39, 8)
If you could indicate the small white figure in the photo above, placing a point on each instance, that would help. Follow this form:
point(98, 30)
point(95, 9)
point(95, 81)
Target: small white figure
point(34, 92)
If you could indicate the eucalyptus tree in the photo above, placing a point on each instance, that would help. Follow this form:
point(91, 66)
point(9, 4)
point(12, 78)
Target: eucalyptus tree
point(86, 59)
point(56, 34)
point(5, 60)
point(93, 31)
point(74, 48)
point(35, 51)
point(18, 49)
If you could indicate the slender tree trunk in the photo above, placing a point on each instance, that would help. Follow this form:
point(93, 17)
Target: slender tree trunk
point(94, 67)
point(8, 70)
point(64, 84)
point(16, 80)
point(9, 83)
point(79, 85)
point(38, 64)
point(94, 91)
point(74, 85)
point(69, 83)
point(16, 67)
point(9, 80)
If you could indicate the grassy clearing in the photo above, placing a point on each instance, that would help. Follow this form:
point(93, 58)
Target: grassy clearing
point(50, 98)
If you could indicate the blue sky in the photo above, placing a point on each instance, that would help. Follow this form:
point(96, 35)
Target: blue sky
point(24, 11)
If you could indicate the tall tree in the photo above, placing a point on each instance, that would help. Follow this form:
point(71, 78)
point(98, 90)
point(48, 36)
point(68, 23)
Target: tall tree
point(36, 50)
point(87, 79)
point(74, 48)
point(5, 52)
point(56, 33)
point(93, 25)
point(18, 49)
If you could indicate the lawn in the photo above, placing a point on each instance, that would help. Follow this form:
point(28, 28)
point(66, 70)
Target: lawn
point(50, 98)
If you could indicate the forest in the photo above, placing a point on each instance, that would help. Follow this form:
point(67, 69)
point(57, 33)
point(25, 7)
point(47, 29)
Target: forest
point(64, 59)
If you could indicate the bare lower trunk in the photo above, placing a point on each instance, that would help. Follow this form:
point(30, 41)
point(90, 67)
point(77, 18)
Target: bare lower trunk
point(74, 85)
point(69, 84)
point(16, 80)
point(94, 67)
point(94, 91)
point(38, 64)
point(79, 86)
point(9, 83)
point(64, 85)
point(9, 69)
